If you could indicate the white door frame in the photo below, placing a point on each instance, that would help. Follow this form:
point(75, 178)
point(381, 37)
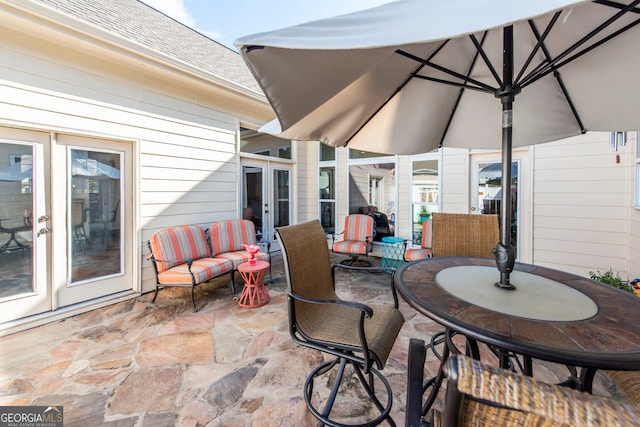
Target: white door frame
point(268, 167)
point(39, 300)
point(525, 196)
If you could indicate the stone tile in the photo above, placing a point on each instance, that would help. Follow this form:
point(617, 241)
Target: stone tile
point(141, 364)
point(147, 390)
point(195, 346)
point(79, 410)
point(114, 358)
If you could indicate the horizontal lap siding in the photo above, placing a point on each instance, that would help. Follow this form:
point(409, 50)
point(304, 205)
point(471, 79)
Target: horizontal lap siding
point(581, 205)
point(186, 165)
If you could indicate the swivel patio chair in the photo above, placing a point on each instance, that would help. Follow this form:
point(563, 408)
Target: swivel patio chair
point(481, 395)
point(426, 243)
point(352, 332)
point(458, 234)
point(358, 239)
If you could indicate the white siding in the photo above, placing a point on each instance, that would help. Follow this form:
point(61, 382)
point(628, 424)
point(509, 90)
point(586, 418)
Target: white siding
point(455, 180)
point(581, 205)
point(186, 170)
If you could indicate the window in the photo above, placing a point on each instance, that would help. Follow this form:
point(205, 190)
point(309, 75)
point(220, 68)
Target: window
point(327, 188)
point(372, 189)
point(263, 144)
point(425, 190)
point(637, 195)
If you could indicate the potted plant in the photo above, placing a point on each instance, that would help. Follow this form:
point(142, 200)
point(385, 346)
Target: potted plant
point(424, 214)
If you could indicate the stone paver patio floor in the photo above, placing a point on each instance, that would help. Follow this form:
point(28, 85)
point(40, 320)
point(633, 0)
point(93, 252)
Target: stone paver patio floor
point(138, 364)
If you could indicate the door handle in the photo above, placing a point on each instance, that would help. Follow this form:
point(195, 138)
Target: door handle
point(473, 209)
point(43, 231)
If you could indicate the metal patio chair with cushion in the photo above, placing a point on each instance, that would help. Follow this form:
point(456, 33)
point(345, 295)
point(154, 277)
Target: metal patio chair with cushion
point(358, 239)
point(181, 257)
point(227, 240)
point(354, 333)
point(426, 244)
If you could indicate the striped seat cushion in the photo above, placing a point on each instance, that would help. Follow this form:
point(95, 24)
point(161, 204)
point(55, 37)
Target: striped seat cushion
point(203, 269)
point(229, 236)
point(178, 245)
point(426, 244)
point(415, 254)
point(350, 247)
point(239, 257)
point(358, 227)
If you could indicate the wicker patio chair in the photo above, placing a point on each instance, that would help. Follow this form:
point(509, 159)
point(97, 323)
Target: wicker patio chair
point(354, 333)
point(457, 234)
point(481, 395)
point(628, 382)
point(358, 239)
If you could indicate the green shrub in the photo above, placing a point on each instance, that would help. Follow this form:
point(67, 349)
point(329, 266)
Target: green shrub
point(609, 279)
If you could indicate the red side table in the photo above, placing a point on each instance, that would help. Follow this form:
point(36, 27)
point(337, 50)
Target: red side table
point(254, 294)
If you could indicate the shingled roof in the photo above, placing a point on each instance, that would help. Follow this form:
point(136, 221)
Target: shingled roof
point(144, 25)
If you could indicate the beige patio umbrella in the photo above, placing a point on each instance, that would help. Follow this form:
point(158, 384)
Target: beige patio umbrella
point(414, 75)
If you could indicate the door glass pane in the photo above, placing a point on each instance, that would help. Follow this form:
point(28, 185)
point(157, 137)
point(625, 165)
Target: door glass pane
point(327, 199)
point(16, 207)
point(281, 198)
point(372, 190)
point(490, 194)
point(424, 194)
point(252, 195)
point(94, 214)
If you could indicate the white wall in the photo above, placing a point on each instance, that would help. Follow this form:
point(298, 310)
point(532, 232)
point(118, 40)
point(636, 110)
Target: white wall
point(581, 205)
point(183, 130)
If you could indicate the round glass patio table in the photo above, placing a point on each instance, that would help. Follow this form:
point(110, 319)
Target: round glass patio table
point(590, 325)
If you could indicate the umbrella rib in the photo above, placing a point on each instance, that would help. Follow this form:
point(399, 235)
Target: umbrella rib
point(479, 85)
point(557, 75)
point(556, 63)
point(538, 45)
point(398, 89)
point(480, 50)
point(460, 93)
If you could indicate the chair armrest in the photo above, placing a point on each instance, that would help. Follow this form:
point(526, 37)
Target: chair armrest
point(367, 311)
point(394, 292)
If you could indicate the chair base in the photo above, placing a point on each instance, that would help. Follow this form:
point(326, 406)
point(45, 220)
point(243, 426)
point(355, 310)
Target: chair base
point(356, 260)
point(368, 387)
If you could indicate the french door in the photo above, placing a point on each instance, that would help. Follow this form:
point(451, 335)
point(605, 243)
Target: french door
point(25, 261)
point(98, 241)
point(65, 221)
point(486, 195)
point(266, 196)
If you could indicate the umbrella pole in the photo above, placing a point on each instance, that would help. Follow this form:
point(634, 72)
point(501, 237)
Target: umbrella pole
point(505, 257)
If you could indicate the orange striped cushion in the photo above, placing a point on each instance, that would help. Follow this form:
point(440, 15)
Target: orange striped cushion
point(238, 257)
point(427, 235)
point(358, 227)
point(203, 269)
point(177, 245)
point(350, 247)
point(229, 236)
point(414, 254)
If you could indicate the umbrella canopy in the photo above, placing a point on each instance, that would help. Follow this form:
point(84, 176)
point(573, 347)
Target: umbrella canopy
point(414, 75)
